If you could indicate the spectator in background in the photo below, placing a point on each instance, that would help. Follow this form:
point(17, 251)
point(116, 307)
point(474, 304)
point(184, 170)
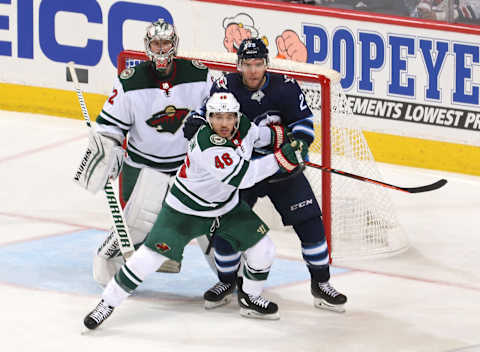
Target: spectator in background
point(392, 7)
point(464, 11)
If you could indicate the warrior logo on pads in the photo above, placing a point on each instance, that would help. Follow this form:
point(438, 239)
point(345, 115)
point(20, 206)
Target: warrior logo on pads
point(162, 247)
point(168, 120)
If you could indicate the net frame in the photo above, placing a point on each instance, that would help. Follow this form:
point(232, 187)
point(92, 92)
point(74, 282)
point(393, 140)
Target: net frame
point(330, 100)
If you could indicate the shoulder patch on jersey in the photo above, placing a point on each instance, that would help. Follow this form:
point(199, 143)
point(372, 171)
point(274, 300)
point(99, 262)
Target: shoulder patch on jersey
point(217, 140)
point(288, 79)
point(127, 73)
point(199, 65)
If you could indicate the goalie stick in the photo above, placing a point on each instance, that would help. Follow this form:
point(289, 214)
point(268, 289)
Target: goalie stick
point(121, 230)
point(419, 189)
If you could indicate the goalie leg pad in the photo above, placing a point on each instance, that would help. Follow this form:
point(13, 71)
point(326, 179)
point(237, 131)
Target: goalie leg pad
point(107, 260)
point(145, 203)
point(103, 159)
point(104, 269)
point(143, 207)
point(140, 213)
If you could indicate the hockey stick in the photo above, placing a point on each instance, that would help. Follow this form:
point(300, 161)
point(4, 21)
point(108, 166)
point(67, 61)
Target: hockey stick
point(123, 237)
point(420, 189)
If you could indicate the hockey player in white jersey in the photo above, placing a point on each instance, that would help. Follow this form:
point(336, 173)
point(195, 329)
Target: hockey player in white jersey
point(206, 193)
point(148, 105)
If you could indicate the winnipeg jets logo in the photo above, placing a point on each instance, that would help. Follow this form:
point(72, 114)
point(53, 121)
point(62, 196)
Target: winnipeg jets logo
point(222, 82)
point(288, 79)
point(257, 96)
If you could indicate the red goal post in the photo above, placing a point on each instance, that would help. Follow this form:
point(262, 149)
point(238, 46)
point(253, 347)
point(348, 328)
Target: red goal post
point(355, 227)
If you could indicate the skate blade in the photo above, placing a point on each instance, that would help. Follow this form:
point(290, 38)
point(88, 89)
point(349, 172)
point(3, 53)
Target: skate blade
point(222, 302)
point(322, 304)
point(249, 313)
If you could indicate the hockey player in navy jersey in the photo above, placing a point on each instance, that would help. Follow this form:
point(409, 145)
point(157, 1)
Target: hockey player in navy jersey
point(270, 98)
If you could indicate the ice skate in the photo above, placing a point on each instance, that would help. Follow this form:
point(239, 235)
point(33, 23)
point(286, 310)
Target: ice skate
point(326, 297)
point(256, 307)
point(219, 295)
point(98, 315)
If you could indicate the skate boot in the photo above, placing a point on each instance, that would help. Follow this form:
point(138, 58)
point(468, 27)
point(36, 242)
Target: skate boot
point(98, 315)
point(256, 307)
point(219, 295)
point(326, 297)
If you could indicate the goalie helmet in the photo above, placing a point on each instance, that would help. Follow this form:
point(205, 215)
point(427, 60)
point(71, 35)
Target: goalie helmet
point(161, 30)
point(252, 48)
point(223, 102)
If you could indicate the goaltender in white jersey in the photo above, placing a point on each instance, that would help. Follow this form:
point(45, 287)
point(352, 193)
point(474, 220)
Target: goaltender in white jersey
point(147, 106)
point(205, 194)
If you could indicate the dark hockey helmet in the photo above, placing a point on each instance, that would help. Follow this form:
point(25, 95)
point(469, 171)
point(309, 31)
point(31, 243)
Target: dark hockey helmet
point(252, 48)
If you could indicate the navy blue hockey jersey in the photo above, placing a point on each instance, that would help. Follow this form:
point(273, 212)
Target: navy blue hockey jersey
point(279, 100)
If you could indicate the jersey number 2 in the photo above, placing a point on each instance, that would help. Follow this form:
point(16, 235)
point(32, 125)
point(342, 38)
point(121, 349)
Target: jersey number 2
point(226, 160)
point(114, 94)
point(303, 104)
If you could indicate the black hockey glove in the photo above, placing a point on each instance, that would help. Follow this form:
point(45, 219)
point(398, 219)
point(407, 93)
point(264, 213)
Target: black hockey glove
point(192, 123)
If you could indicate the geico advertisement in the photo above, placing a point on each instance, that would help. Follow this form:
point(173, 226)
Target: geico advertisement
point(37, 38)
point(417, 81)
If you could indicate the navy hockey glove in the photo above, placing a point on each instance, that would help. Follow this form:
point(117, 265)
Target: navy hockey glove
point(192, 123)
point(286, 155)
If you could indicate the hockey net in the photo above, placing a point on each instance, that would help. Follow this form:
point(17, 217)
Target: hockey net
point(359, 217)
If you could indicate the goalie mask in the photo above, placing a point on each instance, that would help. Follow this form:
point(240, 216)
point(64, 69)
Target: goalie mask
point(161, 30)
point(223, 102)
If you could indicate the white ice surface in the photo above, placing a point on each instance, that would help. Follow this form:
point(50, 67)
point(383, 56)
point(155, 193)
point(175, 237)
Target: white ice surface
point(426, 299)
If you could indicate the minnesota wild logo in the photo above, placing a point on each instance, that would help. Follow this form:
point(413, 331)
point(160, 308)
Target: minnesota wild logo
point(168, 120)
point(162, 247)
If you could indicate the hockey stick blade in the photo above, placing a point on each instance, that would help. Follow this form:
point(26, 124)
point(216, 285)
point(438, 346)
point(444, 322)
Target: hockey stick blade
point(431, 187)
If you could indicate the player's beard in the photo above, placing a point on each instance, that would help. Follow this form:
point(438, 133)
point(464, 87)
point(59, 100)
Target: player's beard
point(253, 82)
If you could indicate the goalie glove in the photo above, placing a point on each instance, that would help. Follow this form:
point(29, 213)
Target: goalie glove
point(192, 123)
point(286, 156)
point(279, 136)
point(103, 159)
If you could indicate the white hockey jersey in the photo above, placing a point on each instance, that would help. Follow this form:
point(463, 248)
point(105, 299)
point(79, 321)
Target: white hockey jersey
point(215, 168)
point(152, 111)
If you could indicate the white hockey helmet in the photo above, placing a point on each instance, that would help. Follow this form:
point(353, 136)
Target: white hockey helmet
point(223, 102)
point(161, 30)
